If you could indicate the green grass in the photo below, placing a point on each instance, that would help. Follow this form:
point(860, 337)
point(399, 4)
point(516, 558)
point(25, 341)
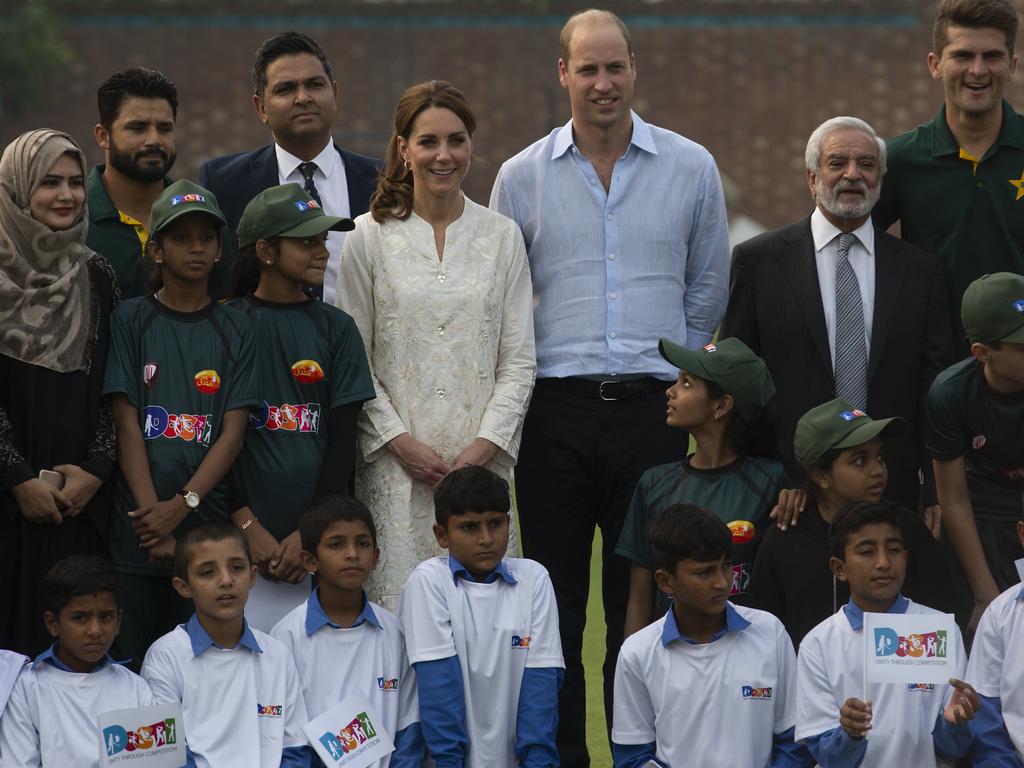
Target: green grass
point(593, 657)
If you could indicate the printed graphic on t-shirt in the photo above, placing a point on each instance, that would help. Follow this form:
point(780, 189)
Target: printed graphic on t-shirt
point(189, 427)
point(207, 381)
point(150, 375)
point(307, 371)
point(301, 417)
point(756, 693)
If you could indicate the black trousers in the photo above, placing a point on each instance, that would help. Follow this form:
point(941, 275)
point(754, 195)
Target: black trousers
point(578, 464)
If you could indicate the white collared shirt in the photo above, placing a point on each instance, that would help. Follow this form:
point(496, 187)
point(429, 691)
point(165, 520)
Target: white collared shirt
point(862, 259)
point(332, 185)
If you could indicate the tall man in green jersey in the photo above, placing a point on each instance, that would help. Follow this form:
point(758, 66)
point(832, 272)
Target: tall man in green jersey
point(956, 183)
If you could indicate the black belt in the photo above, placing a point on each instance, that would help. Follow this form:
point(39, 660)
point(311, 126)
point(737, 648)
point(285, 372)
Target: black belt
point(610, 390)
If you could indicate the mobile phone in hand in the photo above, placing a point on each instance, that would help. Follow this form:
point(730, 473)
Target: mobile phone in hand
point(56, 479)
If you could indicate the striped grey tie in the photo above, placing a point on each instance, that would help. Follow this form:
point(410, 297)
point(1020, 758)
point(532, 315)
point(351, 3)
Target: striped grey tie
point(851, 369)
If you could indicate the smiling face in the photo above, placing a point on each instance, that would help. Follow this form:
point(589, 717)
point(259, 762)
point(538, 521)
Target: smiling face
point(219, 579)
point(344, 557)
point(874, 564)
point(85, 629)
point(57, 201)
point(299, 101)
point(847, 184)
point(858, 474)
point(438, 150)
point(188, 248)
point(599, 75)
point(476, 539)
point(974, 68)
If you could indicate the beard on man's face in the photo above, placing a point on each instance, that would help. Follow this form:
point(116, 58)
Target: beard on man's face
point(145, 165)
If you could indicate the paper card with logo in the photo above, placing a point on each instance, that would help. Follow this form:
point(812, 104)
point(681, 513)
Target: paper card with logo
point(909, 648)
point(147, 737)
point(349, 734)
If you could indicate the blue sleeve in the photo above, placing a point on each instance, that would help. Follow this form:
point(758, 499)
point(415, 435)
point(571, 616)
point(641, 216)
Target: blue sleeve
point(786, 753)
point(537, 717)
point(408, 748)
point(951, 740)
point(635, 755)
point(992, 745)
point(296, 757)
point(835, 749)
point(443, 711)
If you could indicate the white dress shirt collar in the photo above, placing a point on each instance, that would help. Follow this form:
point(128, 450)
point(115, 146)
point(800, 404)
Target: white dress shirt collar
point(824, 232)
point(326, 162)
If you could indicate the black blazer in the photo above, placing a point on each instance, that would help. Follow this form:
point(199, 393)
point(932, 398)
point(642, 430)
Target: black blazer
point(775, 308)
point(237, 179)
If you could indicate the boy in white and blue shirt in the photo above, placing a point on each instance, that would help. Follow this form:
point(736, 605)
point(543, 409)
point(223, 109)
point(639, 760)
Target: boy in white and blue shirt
point(707, 667)
point(482, 635)
point(241, 702)
point(50, 718)
point(342, 642)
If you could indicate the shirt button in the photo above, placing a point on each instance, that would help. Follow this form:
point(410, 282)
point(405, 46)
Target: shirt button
point(611, 257)
point(980, 185)
point(440, 330)
point(611, 295)
point(612, 334)
point(609, 217)
point(440, 278)
point(593, 182)
point(440, 393)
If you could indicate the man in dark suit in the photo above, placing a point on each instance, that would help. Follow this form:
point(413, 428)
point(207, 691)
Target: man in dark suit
point(295, 94)
point(837, 307)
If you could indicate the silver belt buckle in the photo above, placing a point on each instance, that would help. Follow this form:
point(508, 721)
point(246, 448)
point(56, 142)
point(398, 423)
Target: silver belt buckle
point(600, 392)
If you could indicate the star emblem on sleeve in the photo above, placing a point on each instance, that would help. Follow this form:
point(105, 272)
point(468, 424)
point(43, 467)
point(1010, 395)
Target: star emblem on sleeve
point(1019, 184)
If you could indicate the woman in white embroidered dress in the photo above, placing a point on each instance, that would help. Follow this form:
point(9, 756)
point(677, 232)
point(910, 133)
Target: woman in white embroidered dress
point(440, 289)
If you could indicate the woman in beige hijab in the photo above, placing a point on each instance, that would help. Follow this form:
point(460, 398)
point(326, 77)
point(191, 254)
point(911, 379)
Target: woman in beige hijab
point(56, 433)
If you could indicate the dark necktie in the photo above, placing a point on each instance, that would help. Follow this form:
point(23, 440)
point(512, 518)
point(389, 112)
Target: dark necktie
point(307, 170)
point(851, 372)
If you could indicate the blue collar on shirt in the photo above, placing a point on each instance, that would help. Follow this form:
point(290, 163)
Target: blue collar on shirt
point(856, 616)
point(316, 618)
point(50, 656)
point(733, 623)
point(641, 138)
point(459, 571)
point(201, 639)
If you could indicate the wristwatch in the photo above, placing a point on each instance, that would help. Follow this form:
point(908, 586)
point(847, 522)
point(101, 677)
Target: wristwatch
point(191, 498)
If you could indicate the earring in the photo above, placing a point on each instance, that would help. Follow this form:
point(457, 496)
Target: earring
point(406, 163)
point(269, 262)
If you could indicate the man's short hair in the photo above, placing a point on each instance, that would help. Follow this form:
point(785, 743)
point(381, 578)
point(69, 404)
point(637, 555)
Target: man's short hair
point(687, 532)
point(211, 530)
point(327, 510)
point(590, 14)
point(974, 14)
point(79, 576)
point(284, 44)
point(812, 155)
point(852, 517)
point(137, 82)
point(470, 489)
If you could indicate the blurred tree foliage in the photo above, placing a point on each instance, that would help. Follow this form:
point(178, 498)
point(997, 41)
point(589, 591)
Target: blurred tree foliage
point(31, 50)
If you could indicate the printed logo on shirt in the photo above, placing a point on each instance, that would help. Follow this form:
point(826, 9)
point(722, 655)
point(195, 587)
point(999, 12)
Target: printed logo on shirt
point(710, 348)
point(851, 415)
point(350, 738)
point(182, 426)
point(190, 198)
point(307, 371)
point(150, 375)
point(207, 381)
point(269, 710)
point(740, 579)
point(978, 442)
point(520, 642)
point(1019, 305)
point(927, 645)
point(742, 531)
point(304, 417)
point(758, 694)
point(1014, 474)
point(387, 685)
point(117, 739)
point(308, 205)
point(921, 687)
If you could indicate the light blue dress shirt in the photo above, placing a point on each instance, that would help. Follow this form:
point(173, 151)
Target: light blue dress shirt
point(613, 272)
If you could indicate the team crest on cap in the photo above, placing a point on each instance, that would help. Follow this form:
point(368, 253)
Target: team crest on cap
point(978, 442)
point(851, 415)
point(1019, 305)
point(190, 198)
point(150, 375)
point(710, 348)
point(307, 205)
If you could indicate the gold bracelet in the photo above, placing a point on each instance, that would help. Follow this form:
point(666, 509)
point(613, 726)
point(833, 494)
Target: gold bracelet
point(247, 523)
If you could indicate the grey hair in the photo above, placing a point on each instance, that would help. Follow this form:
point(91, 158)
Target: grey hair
point(812, 156)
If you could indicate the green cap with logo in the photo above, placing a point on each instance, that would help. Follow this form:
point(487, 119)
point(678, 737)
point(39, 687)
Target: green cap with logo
point(286, 211)
point(731, 365)
point(837, 424)
point(180, 198)
point(993, 308)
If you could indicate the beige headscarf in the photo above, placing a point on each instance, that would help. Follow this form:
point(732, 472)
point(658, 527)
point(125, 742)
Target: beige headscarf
point(44, 282)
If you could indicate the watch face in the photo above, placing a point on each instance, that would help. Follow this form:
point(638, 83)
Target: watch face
point(192, 499)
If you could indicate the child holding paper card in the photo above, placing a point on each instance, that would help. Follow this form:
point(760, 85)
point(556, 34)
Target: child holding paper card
point(50, 719)
point(916, 723)
point(342, 642)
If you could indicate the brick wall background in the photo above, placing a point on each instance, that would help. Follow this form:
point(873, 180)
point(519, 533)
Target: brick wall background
point(749, 80)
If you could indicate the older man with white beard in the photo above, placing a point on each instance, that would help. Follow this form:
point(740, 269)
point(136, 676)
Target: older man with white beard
point(839, 308)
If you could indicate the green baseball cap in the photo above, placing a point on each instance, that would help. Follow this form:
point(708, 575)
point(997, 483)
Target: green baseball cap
point(993, 308)
point(180, 198)
point(286, 211)
point(733, 366)
point(837, 424)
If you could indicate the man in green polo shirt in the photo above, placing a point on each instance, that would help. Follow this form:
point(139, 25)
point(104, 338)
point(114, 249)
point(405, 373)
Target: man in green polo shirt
point(137, 110)
point(956, 183)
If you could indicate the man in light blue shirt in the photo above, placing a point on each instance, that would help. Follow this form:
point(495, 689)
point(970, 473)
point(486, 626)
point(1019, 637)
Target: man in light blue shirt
point(626, 233)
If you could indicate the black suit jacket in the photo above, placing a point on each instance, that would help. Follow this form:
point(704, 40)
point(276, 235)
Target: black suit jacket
point(237, 179)
point(775, 307)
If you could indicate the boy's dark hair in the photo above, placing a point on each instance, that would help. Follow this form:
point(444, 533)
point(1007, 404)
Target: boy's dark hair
point(210, 530)
point(470, 489)
point(852, 517)
point(79, 576)
point(687, 532)
point(327, 510)
point(136, 82)
point(974, 14)
point(284, 44)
